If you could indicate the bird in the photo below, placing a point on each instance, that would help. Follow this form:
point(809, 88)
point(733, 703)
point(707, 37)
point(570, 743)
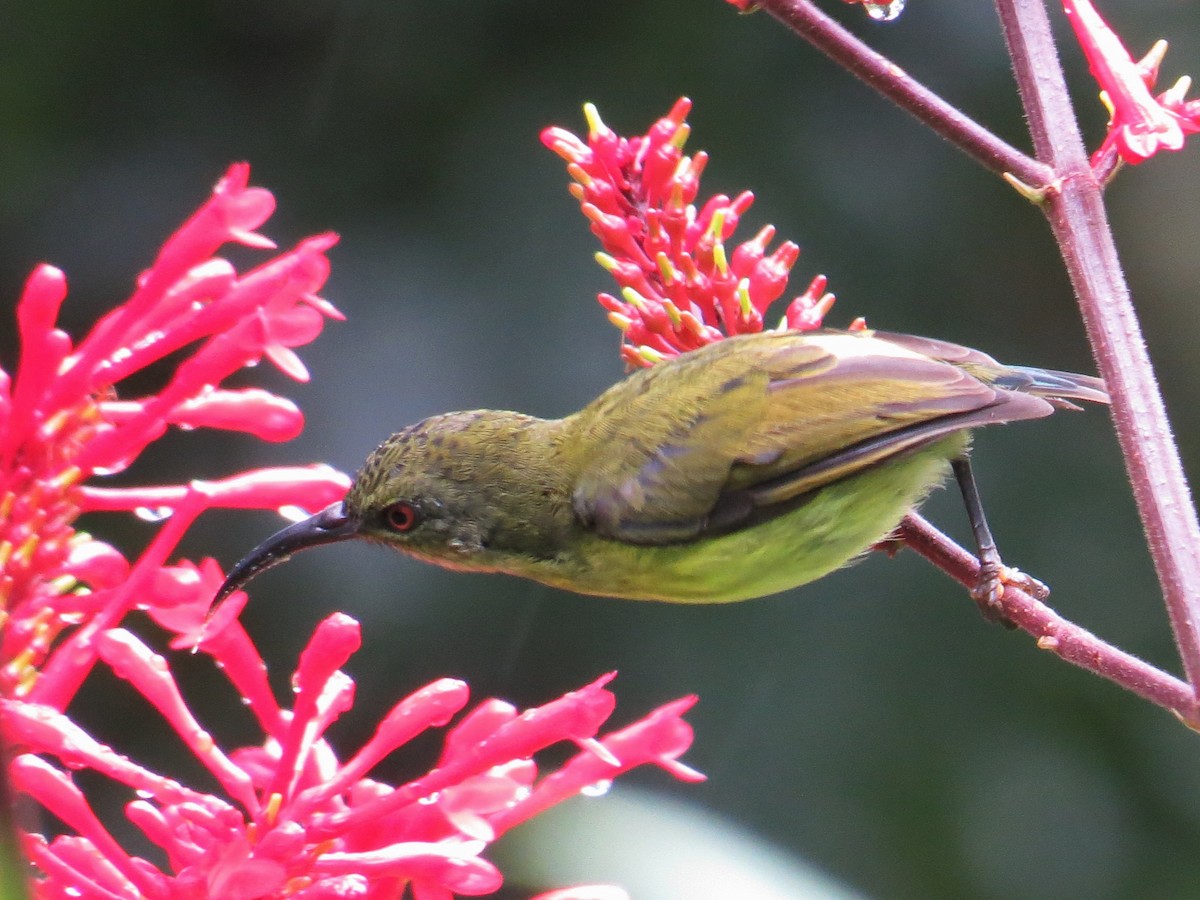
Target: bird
point(741, 469)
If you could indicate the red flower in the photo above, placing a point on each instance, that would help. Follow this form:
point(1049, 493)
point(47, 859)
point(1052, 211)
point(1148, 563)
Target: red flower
point(296, 821)
point(680, 287)
point(292, 820)
point(61, 425)
point(1140, 124)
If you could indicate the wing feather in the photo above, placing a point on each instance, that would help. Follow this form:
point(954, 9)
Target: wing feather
point(745, 429)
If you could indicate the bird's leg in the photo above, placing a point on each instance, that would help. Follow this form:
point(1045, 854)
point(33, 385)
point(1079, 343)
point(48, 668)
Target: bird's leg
point(993, 574)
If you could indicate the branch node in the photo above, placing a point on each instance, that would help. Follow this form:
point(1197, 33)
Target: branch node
point(1035, 195)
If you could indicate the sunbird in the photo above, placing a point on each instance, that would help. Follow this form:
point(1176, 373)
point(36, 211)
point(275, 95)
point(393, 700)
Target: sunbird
point(746, 467)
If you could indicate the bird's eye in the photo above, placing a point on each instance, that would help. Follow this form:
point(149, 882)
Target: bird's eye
point(401, 516)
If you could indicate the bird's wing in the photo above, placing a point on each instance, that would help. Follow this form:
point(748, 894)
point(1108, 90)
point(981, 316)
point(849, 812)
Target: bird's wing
point(730, 439)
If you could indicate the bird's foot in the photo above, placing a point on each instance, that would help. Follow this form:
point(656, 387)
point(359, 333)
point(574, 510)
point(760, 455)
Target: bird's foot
point(994, 577)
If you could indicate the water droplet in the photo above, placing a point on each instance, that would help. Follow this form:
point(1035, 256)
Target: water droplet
point(153, 514)
point(885, 12)
point(597, 789)
point(431, 799)
point(72, 892)
point(293, 513)
point(145, 794)
point(119, 466)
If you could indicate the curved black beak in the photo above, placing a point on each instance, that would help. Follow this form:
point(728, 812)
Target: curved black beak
point(331, 524)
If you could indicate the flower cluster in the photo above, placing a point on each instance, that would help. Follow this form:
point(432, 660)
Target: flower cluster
point(299, 823)
point(680, 287)
point(293, 820)
point(1140, 124)
point(62, 423)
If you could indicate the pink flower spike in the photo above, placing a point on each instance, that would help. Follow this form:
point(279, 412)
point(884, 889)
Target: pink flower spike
point(307, 488)
point(252, 410)
point(246, 208)
point(43, 348)
point(55, 791)
point(317, 688)
point(457, 872)
point(133, 661)
point(682, 287)
point(431, 706)
point(1140, 124)
point(659, 738)
point(47, 731)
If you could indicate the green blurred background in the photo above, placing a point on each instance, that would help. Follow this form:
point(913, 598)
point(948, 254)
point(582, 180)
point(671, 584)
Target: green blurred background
point(870, 727)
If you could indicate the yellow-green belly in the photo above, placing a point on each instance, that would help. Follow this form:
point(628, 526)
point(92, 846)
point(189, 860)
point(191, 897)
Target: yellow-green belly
point(836, 525)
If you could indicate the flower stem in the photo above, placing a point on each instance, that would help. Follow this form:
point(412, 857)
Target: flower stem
point(1080, 225)
point(1054, 633)
point(884, 76)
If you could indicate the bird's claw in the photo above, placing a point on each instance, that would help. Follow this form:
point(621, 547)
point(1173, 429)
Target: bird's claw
point(988, 592)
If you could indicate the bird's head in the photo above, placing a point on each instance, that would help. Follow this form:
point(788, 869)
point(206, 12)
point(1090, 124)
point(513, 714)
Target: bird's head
point(437, 490)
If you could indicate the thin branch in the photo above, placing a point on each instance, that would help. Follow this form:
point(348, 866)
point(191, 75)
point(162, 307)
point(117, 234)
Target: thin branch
point(1080, 225)
point(887, 78)
point(1055, 634)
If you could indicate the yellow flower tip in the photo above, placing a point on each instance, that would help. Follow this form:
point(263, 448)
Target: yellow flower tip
point(274, 804)
point(64, 583)
point(1178, 92)
point(607, 263)
point(719, 258)
point(593, 213)
point(1153, 59)
point(679, 138)
point(27, 549)
point(594, 122)
point(68, 477)
point(668, 271)
point(580, 174)
point(622, 322)
point(717, 226)
point(634, 299)
point(650, 355)
point(55, 423)
point(692, 324)
point(672, 313)
point(1108, 104)
point(859, 324)
point(6, 504)
point(25, 683)
point(297, 884)
point(576, 191)
point(743, 296)
point(6, 548)
point(675, 200)
point(22, 661)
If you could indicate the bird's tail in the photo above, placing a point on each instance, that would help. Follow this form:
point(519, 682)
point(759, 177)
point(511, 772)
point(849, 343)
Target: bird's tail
point(1058, 388)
